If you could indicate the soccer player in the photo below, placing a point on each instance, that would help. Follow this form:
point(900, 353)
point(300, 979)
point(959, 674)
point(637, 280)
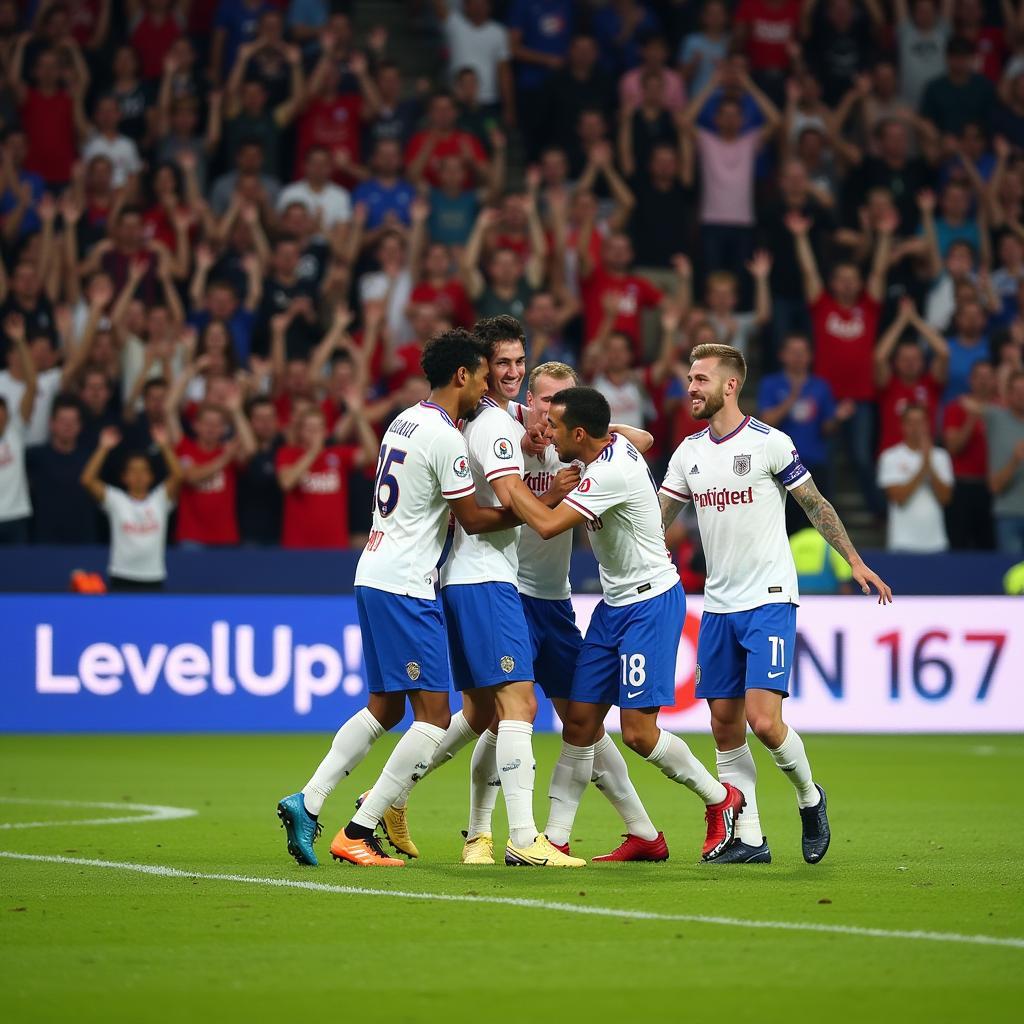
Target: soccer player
point(423, 475)
point(737, 472)
point(629, 652)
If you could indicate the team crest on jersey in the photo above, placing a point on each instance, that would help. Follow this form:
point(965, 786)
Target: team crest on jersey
point(503, 448)
point(741, 464)
point(461, 467)
point(412, 670)
point(507, 664)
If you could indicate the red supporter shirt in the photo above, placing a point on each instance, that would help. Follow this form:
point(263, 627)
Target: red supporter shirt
point(991, 51)
point(84, 16)
point(895, 397)
point(844, 343)
point(334, 124)
point(206, 511)
point(451, 299)
point(49, 123)
point(636, 294)
point(452, 145)
point(316, 508)
point(770, 28)
point(972, 462)
point(152, 40)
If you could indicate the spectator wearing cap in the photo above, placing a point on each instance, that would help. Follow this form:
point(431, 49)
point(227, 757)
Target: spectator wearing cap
point(917, 479)
point(1005, 433)
point(969, 515)
point(961, 94)
point(62, 512)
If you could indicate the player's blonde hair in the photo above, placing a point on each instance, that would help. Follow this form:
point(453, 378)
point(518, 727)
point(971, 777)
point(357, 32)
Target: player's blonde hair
point(559, 371)
point(731, 358)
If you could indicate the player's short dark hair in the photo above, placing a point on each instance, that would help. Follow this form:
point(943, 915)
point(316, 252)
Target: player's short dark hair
point(449, 351)
point(586, 408)
point(493, 330)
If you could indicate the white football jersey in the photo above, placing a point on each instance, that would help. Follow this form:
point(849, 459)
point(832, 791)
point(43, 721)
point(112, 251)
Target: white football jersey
point(422, 464)
point(738, 485)
point(543, 564)
point(493, 441)
point(619, 499)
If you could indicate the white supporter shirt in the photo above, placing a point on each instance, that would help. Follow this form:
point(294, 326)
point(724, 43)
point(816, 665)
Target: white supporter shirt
point(543, 564)
point(493, 440)
point(626, 400)
point(14, 499)
point(480, 47)
point(619, 499)
point(422, 464)
point(919, 524)
point(120, 151)
point(738, 485)
point(138, 534)
point(37, 431)
point(332, 204)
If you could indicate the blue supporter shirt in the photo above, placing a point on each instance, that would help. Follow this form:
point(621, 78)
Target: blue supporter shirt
point(241, 25)
point(30, 222)
point(961, 360)
point(380, 200)
point(807, 418)
point(240, 326)
point(546, 26)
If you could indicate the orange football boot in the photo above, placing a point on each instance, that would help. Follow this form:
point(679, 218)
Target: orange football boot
point(366, 853)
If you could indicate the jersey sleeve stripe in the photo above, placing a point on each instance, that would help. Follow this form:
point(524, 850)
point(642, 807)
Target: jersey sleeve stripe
point(504, 471)
point(675, 494)
point(579, 508)
point(460, 493)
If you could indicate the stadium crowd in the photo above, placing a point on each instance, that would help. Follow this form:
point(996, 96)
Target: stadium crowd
point(229, 228)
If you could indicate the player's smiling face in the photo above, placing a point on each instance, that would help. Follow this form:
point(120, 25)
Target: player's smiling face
point(562, 437)
point(540, 399)
point(508, 369)
point(707, 388)
point(475, 389)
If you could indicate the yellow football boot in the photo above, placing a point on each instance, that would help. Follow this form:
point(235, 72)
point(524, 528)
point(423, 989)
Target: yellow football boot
point(540, 854)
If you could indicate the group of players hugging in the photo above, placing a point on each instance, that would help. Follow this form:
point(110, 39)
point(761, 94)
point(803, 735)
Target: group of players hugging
point(481, 494)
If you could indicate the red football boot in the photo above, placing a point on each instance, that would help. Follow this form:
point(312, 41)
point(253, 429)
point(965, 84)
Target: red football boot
point(635, 848)
point(561, 849)
point(721, 819)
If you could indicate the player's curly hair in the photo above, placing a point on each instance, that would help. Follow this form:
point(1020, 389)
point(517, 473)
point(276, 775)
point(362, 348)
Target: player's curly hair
point(446, 352)
point(586, 408)
point(493, 330)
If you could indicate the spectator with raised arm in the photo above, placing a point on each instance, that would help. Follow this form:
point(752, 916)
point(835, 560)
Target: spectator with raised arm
point(1005, 432)
point(923, 29)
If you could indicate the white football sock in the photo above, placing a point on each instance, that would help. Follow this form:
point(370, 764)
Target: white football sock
point(456, 736)
point(792, 759)
point(407, 764)
point(516, 769)
point(737, 767)
point(611, 776)
point(351, 744)
point(568, 781)
point(484, 784)
point(676, 760)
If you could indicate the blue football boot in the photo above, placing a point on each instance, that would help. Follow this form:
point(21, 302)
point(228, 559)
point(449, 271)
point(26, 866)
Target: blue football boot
point(302, 829)
point(817, 834)
point(741, 853)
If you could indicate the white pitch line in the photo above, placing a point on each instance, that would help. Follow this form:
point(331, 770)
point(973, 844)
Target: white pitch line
point(162, 871)
point(145, 812)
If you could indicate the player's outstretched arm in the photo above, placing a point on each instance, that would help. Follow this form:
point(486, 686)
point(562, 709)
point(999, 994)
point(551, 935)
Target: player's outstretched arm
point(670, 508)
point(474, 518)
point(641, 440)
point(548, 522)
point(826, 521)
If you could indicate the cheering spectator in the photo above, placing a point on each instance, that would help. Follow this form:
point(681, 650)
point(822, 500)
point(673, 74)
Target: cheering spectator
point(386, 195)
point(918, 481)
point(314, 477)
point(730, 327)
point(922, 33)
point(968, 345)
point(727, 157)
point(845, 319)
point(439, 139)
point(138, 512)
point(839, 42)
point(1005, 432)
point(583, 84)
point(959, 96)
point(62, 513)
point(969, 514)
point(901, 375)
point(329, 204)
point(397, 115)
point(800, 403)
point(621, 26)
point(701, 52)
point(15, 501)
point(259, 495)
point(31, 380)
point(766, 31)
point(653, 63)
point(107, 140)
point(662, 194)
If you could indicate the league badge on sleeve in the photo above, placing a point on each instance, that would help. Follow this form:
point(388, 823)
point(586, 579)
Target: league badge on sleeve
point(741, 464)
point(503, 448)
point(461, 467)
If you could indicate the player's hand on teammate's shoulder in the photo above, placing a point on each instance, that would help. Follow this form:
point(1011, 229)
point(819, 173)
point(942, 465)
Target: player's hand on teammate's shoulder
point(565, 481)
point(866, 579)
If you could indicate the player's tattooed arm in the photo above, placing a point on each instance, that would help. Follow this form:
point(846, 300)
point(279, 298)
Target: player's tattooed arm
point(826, 521)
point(670, 508)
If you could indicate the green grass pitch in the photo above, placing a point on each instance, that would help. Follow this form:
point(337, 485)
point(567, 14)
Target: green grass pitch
point(927, 837)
